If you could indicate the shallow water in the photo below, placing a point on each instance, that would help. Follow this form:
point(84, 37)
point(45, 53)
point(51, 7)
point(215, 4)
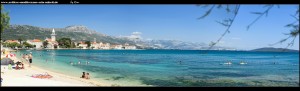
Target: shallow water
point(174, 67)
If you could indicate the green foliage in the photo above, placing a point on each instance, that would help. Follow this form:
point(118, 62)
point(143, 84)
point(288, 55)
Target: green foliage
point(64, 42)
point(12, 45)
point(73, 45)
point(4, 19)
point(27, 45)
point(88, 43)
point(20, 40)
point(45, 43)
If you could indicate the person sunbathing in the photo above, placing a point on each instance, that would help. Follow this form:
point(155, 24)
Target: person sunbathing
point(42, 76)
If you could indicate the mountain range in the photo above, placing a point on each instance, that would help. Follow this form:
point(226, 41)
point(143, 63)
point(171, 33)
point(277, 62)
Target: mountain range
point(76, 33)
point(83, 33)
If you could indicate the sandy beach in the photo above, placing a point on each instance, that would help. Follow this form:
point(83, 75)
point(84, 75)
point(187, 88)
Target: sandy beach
point(23, 77)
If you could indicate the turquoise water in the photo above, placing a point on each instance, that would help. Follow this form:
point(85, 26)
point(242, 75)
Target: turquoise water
point(174, 67)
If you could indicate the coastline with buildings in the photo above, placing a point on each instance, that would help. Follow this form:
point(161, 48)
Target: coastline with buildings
point(52, 43)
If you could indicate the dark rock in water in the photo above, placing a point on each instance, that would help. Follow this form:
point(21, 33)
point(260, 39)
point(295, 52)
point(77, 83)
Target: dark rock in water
point(229, 74)
point(106, 79)
point(117, 77)
point(181, 82)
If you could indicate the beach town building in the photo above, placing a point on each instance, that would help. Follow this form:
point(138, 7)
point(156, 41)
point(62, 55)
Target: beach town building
point(105, 46)
point(12, 41)
point(127, 46)
point(52, 43)
point(116, 47)
point(94, 45)
point(36, 43)
point(82, 45)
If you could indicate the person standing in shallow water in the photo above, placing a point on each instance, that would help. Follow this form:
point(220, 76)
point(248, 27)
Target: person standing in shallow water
point(30, 59)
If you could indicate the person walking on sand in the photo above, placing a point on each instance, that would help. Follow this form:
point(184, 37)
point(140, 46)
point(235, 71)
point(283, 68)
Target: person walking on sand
point(30, 59)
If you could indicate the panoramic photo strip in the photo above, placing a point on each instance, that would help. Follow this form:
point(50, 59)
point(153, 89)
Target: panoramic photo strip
point(150, 45)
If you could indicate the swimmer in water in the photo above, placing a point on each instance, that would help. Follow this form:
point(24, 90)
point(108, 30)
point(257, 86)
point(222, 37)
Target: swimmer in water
point(78, 62)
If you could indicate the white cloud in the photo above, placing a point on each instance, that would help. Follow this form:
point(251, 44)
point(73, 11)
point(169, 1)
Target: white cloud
point(134, 35)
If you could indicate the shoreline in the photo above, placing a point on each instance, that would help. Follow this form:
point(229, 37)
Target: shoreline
point(22, 77)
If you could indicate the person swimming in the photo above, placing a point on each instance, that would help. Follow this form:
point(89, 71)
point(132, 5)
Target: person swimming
point(78, 62)
point(71, 62)
point(242, 62)
point(87, 62)
point(227, 63)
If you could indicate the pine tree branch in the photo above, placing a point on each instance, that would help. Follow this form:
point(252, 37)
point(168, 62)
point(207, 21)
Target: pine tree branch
point(260, 15)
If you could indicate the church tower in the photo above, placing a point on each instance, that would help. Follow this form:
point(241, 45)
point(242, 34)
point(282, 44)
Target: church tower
point(53, 35)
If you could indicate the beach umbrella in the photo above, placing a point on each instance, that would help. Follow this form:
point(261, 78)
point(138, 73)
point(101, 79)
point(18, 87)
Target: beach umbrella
point(12, 55)
point(7, 61)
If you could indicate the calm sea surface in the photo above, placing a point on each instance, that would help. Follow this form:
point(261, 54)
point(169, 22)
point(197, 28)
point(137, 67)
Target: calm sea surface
point(174, 67)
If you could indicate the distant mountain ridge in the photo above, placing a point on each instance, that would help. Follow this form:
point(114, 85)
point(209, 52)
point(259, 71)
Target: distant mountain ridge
point(271, 49)
point(176, 44)
point(83, 33)
point(76, 33)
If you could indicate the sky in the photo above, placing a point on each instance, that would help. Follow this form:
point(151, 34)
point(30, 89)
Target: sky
point(169, 22)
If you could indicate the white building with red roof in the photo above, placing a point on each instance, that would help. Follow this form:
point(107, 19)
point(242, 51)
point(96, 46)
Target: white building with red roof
point(36, 43)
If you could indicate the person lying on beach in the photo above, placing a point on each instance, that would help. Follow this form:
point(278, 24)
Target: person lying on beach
point(42, 76)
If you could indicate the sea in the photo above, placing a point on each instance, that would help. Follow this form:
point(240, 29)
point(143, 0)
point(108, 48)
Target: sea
point(174, 68)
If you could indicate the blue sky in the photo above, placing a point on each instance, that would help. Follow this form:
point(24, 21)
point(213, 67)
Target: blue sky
point(175, 22)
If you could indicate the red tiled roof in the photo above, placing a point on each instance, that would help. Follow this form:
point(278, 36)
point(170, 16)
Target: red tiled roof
point(36, 40)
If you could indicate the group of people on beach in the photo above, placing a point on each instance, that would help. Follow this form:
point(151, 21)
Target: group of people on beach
point(85, 75)
point(18, 67)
